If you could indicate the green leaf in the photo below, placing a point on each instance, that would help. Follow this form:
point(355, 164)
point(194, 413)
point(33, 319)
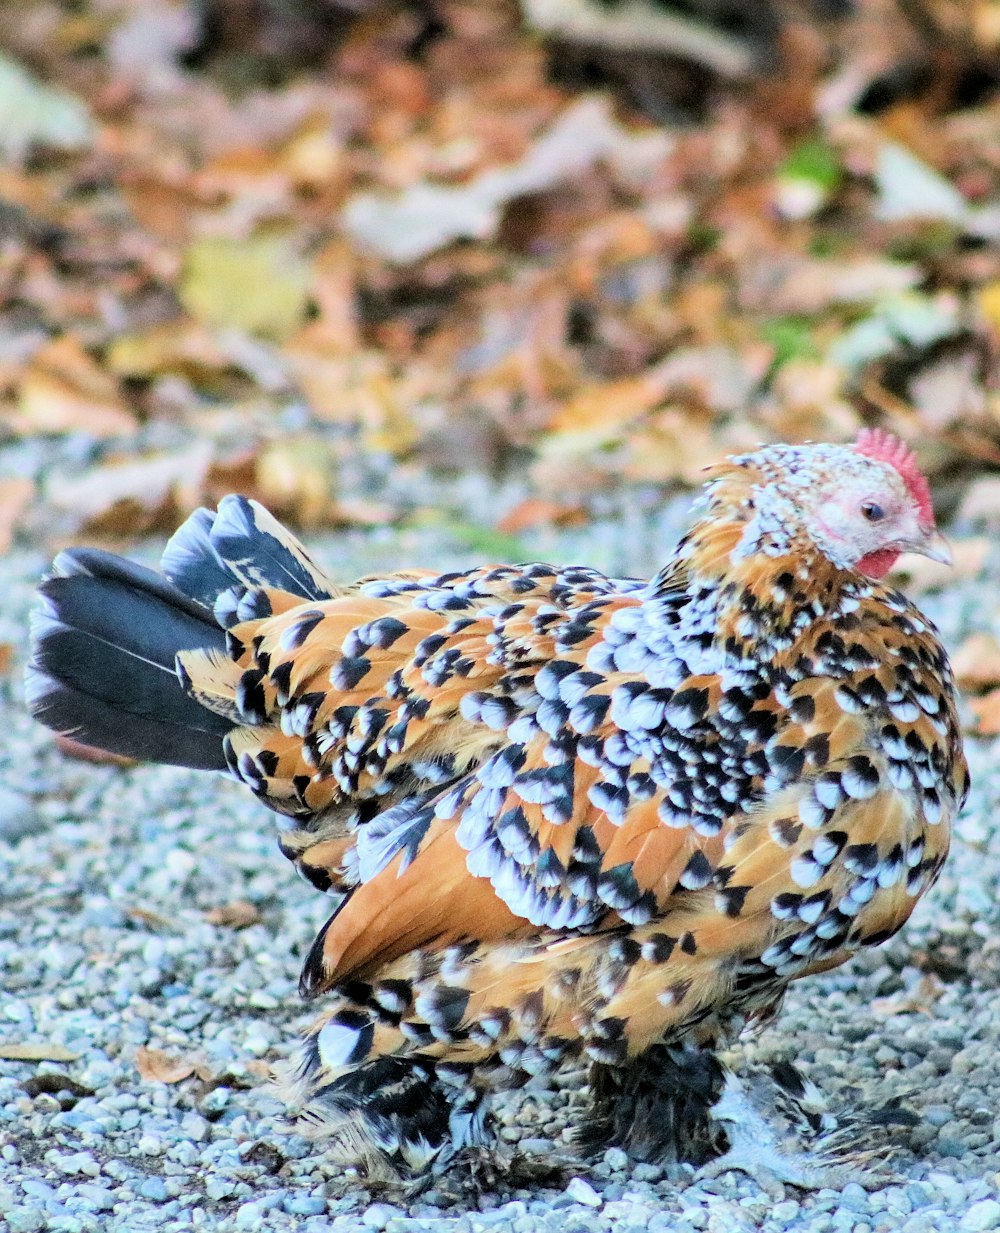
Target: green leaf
point(791, 338)
point(815, 161)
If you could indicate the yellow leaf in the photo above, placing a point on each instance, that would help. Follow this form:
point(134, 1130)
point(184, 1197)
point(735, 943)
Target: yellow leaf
point(260, 285)
point(36, 1053)
point(989, 303)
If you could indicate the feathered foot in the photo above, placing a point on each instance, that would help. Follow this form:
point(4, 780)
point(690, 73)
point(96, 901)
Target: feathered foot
point(464, 1175)
point(658, 1106)
point(782, 1132)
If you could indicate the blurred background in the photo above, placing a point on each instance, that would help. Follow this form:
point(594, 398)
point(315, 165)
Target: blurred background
point(344, 255)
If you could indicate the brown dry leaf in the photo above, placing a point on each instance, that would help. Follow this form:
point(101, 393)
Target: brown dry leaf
point(976, 663)
point(155, 1066)
point(987, 712)
point(537, 511)
point(920, 998)
point(125, 499)
point(606, 410)
point(6, 658)
point(146, 916)
point(89, 753)
point(238, 914)
point(15, 497)
point(968, 558)
point(14, 1052)
point(63, 390)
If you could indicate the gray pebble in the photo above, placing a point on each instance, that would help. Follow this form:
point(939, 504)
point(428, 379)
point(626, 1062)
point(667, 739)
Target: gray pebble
point(581, 1191)
point(154, 1189)
point(982, 1215)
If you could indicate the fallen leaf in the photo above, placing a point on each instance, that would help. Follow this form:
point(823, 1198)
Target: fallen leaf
point(976, 663)
point(174, 346)
point(126, 499)
point(36, 1053)
point(539, 511)
point(33, 113)
point(987, 712)
point(908, 188)
point(238, 914)
point(920, 998)
point(260, 285)
point(296, 478)
point(428, 216)
point(6, 658)
point(63, 389)
point(638, 25)
point(15, 497)
point(155, 1066)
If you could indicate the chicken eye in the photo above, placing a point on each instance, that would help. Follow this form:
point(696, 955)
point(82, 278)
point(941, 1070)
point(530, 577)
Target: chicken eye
point(873, 511)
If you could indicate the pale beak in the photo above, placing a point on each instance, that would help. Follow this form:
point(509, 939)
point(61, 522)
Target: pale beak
point(934, 546)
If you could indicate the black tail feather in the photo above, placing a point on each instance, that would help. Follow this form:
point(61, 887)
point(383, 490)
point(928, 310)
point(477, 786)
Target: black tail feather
point(240, 544)
point(102, 669)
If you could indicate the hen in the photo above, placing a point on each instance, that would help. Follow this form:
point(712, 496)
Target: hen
point(571, 816)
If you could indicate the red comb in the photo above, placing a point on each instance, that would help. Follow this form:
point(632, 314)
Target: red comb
point(882, 445)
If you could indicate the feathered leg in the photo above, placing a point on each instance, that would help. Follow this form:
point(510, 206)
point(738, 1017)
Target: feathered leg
point(781, 1131)
point(657, 1106)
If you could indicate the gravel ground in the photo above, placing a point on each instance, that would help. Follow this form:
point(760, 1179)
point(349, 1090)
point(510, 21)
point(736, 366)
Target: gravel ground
point(107, 944)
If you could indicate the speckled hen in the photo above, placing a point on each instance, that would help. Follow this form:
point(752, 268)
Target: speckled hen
point(569, 815)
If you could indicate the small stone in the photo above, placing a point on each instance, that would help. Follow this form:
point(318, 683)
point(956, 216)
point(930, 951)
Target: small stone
point(379, 1215)
point(981, 1216)
point(76, 1163)
point(785, 1210)
point(304, 1205)
point(219, 1187)
point(581, 1191)
point(26, 1219)
point(194, 1127)
point(97, 1197)
point(19, 817)
point(154, 1189)
point(616, 1159)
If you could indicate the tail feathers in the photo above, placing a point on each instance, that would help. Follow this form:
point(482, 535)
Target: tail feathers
point(104, 641)
point(240, 546)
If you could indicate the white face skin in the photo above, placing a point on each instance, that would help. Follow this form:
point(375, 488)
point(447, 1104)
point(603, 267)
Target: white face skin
point(868, 514)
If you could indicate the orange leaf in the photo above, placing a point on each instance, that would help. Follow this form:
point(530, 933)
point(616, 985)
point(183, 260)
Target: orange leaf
point(976, 663)
point(987, 712)
point(536, 511)
point(155, 1066)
